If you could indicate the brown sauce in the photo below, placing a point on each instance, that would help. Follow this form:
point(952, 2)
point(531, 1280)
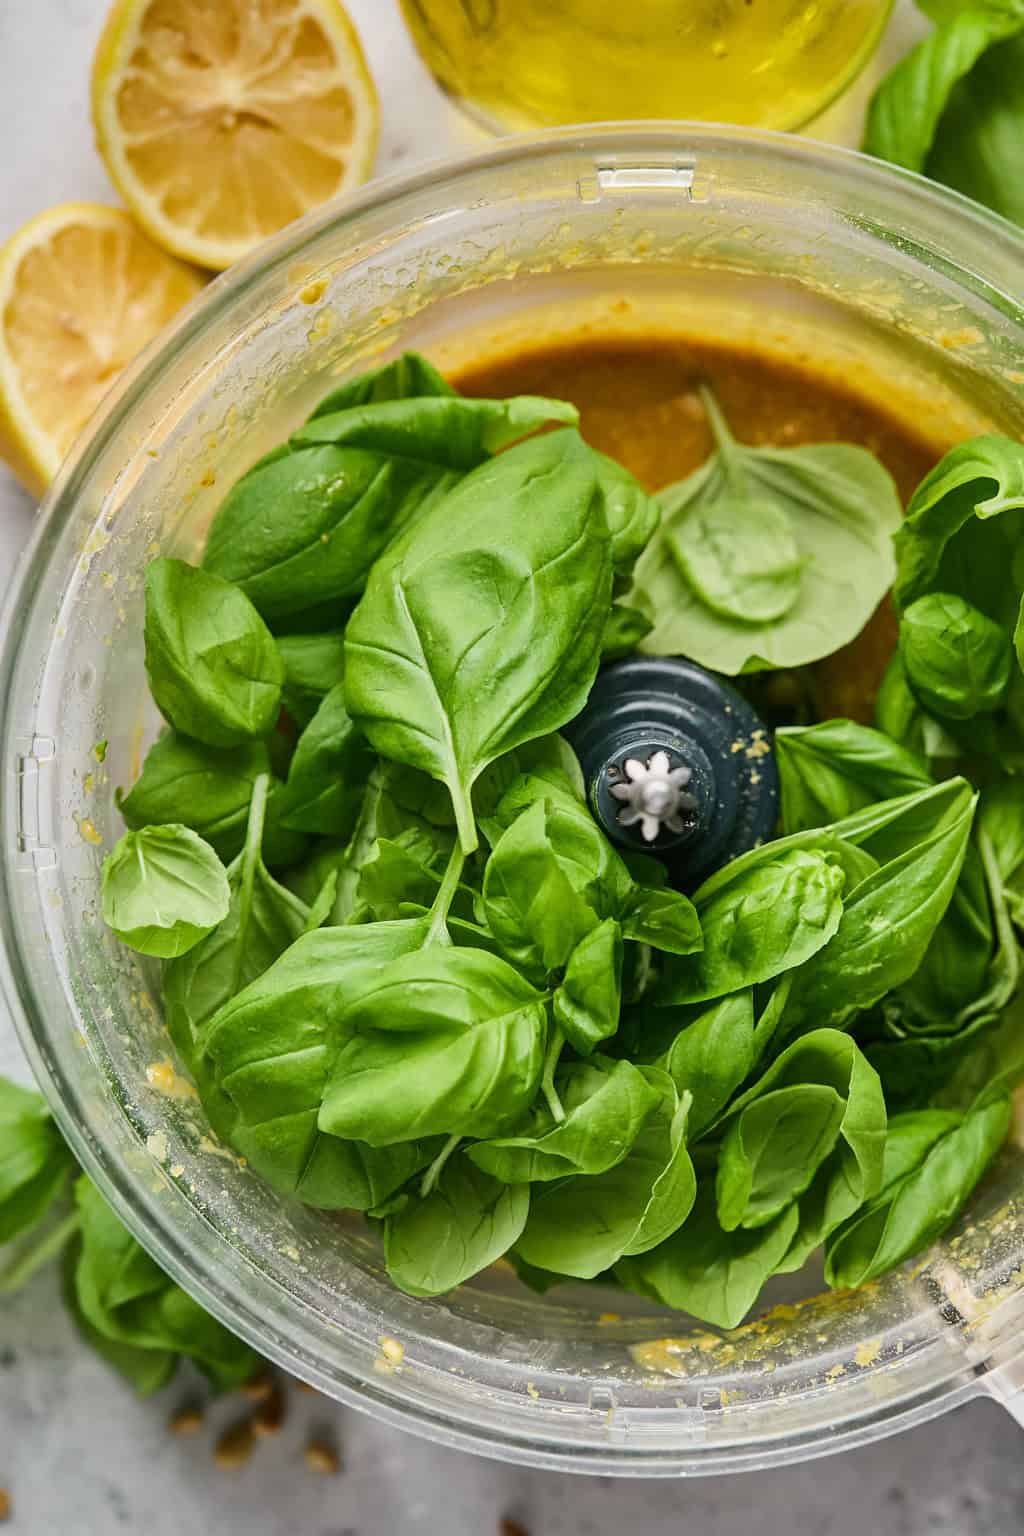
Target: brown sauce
point(638, 402)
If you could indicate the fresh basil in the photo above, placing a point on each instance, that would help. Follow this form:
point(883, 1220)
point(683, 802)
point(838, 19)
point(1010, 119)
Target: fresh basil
point(623, 633)
point(35, 1163)
point(922, 1198)
point(493, 610)
point(977, 143)
point(733, 598)
point(463, 1225)
point(445, 1041)
point(212, 664)
point(712, 1057)
point(313, 665)
point(128, 1302)
point(768, 919)
point(714, 1275)
point(827, 771)
point(404, 378)
point(306, 527)
point(958, 661)
point(588, 1001)
point(328, 773)
point(162, 890)
point(584, 1225)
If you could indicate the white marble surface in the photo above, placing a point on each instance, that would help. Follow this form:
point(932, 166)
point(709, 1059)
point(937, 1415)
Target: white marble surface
point(77, 1451)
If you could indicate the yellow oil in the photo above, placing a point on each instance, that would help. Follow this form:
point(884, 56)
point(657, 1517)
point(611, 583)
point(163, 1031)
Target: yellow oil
point(523, 63)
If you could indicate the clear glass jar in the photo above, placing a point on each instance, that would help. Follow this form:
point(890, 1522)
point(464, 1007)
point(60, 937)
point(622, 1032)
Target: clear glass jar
point(520, 64)
point(718, 228)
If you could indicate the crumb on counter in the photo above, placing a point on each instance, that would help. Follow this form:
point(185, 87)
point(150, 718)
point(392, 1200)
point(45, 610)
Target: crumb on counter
point(187, 1420)
point(322, 1458)
point(235, 1446)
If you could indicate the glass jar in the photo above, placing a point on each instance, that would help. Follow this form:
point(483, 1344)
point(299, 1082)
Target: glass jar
point(750, 234)
point(518, 64)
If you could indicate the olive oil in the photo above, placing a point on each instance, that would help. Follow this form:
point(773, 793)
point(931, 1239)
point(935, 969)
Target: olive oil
point(524, 63)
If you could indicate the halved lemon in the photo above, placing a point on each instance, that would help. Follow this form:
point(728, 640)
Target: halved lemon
point(221, 121)
point(82, 290)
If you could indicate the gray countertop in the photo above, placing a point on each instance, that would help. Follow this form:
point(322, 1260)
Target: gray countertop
point(78, 1452)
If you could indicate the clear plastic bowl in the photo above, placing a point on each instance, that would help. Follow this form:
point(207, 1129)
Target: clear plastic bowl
point(780, 240)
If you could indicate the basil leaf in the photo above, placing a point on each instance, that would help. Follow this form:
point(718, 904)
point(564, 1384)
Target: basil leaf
point(958, 661)
point(313, 665)
point(961, 528)
point(272, 1047)
point(404, 378)
point(587, 1003)
point(899, 714)
point(583, 1225)
point(714, 1275)
point(912, 1212)
point(327, 777)
point(205, 788)
point(768, 919)
point(952, 971)
point(446, 430)
point(606, 1103)
point(467, 1222)
point(990, 1068)
point(399, 872)
point(828, 770)
point(886, 927)
point(819, 1092)
point(211, 661)
point(447, 1041)
point(162, 890)
point(665, 919)
point(493, 612)
point(712, 1057)
point(630, 513)
point(128, 1302)
point(34, 1161)
point(623, 633)
point(838, 507)
point(550, 879)
point(906, 109)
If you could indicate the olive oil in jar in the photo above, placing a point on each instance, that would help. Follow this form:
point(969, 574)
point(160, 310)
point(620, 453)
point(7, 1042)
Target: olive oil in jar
point(528, 63)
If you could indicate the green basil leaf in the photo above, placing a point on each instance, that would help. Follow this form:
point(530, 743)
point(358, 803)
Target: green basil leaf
point(839, 507)
point(907, 108)
point(958, 661)
point(583, 1225)
point(766, 920)
point(886, 927)
point(990, 1068)
point(128, 1301)
point(961, 526)
point(917, 1207)
point(821, 1091)
point(212, 664)
point(740, 557)
point(625, 630)
point(447, 1041)
point(400, 871)
point(953, 969)
point(34, 1160)
point(467, 1222)
point(205, 788)
point(899, 714)
point(1001, 819)
point(631, 514)
point(551, 878)
point(163, 889)
point(828, 770)
point(664, 919)
point(313, 665)
point(404, 378)
point(447, 430)
point(271, 1048)
point(977, 144)
point(606, 1103)
point(327, 777)
point(712, 1057)
point(493, 611)
point(587, 1003)
point(714, 1275)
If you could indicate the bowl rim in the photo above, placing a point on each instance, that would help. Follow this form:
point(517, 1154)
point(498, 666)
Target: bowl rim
point(117, 1183)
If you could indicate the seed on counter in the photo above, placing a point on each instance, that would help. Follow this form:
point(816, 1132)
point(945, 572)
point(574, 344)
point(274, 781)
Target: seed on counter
point(323, 1458)
point(512, 1528)
point(235, 1446)
point(5, 1504)
point(269, 1417)
point(259, 1389)
point(187, 1420)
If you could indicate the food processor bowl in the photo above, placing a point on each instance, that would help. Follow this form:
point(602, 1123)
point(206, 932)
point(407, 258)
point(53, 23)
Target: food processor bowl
point(779, 243)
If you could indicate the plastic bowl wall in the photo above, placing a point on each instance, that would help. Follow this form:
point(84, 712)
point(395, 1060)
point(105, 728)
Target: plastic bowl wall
point(919, 279)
